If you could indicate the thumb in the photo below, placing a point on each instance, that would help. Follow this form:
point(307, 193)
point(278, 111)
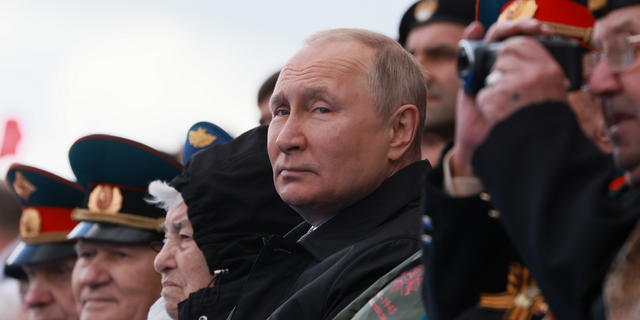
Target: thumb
point(474, 31)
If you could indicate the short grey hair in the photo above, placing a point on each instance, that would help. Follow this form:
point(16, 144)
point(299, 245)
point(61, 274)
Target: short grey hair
point(395, 78)
point(163, 195)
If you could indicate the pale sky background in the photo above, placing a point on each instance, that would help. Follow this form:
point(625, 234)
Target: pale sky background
point(147, 70)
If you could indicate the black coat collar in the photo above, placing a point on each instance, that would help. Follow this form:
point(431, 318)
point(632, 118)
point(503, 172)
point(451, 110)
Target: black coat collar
point(365, 215)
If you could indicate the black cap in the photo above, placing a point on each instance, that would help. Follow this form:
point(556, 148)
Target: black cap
point(428, 11)
point(232, 202)
point(600, 8)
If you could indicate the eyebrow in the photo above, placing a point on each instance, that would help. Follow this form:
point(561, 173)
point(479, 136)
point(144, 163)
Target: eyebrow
point(308, 93)
point(276, 99)
point(163, 226)
point(626, 25)
point(178, 225)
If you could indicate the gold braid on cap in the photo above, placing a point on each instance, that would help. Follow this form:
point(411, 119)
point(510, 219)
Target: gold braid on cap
point(121, 219)
point(583, 34)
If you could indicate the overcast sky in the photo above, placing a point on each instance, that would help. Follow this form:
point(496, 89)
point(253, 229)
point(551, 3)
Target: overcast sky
point(148, 69)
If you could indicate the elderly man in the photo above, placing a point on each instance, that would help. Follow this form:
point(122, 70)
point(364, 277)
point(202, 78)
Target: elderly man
point(471, 263)
point(44, 253)
point(430, 30)
point(344, 145)
point(549, 186)
point(113, 277)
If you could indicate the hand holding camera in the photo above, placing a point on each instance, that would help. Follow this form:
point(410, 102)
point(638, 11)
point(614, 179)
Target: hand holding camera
point(526, 74)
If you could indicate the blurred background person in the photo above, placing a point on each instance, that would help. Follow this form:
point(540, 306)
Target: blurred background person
point(44, 253)
point(473, 270)
point(264, 94)
point(9, 230)
point(113, 277)
point(557, 212)
point(431, 30)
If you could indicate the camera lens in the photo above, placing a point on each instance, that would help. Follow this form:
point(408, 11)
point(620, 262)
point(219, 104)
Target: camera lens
point(465, 61)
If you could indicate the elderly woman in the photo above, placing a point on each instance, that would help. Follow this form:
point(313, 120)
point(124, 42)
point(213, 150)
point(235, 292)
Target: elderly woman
point(218, 211)
point(180, 261)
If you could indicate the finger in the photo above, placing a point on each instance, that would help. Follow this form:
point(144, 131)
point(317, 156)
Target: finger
point(525, 48)
point(506, 29)
point(474, 31)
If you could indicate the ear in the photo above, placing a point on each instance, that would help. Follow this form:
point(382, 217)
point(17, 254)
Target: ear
point(403, 129)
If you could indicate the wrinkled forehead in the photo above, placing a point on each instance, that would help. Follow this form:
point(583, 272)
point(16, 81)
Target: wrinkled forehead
point(177, 213)
point(341, 57)
point(620, 21)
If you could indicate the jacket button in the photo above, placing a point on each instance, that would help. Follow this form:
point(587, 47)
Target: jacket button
point(494, 213)
point(426, 239)
point(485, 196)
point(427, 224)
point(203, 318)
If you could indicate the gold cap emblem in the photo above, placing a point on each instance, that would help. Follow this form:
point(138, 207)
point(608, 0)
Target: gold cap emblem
point(200, 138)
point(595, 5)
point(425, 10)
point(518, 10)
point(23, 187)
point(105, 199)
point(30, 223)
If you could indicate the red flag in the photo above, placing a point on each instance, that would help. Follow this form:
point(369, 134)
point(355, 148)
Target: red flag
point(11, 138)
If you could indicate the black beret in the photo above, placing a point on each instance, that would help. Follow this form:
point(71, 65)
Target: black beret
point(601, 7)
point(232, 202)
point(427, 11)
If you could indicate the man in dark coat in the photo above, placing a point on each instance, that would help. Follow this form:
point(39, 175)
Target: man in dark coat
point(344, 145)
point(547, 181)
point(473, 270)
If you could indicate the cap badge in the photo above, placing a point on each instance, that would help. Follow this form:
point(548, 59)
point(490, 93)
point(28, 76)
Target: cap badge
point(595, 5)
point(200, 138)
point(23, 187)
point(105, 199)
point(518, 10)
point(30, 223)
point(425, 10)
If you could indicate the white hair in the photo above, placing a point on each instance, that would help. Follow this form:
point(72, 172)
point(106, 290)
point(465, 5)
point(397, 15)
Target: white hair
point(163, 195)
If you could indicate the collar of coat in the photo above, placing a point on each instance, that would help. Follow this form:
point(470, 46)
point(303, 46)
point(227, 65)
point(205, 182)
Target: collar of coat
point(365, 217)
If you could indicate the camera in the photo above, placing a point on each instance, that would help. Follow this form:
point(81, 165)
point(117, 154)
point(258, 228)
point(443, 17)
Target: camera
point(475, 59)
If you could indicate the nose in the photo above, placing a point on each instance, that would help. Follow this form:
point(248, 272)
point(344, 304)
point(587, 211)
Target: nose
point(603, 82)
point(165, 260)
point(94, 273)
point(290, 136)
point(38, 294)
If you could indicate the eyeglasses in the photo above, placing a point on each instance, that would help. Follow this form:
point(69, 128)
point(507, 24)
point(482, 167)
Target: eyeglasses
point(619, 52)
point(157, 245)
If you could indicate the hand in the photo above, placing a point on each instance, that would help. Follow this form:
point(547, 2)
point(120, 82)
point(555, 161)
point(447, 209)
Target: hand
point(525, 27)
point(530, 75)
point(471, 127)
